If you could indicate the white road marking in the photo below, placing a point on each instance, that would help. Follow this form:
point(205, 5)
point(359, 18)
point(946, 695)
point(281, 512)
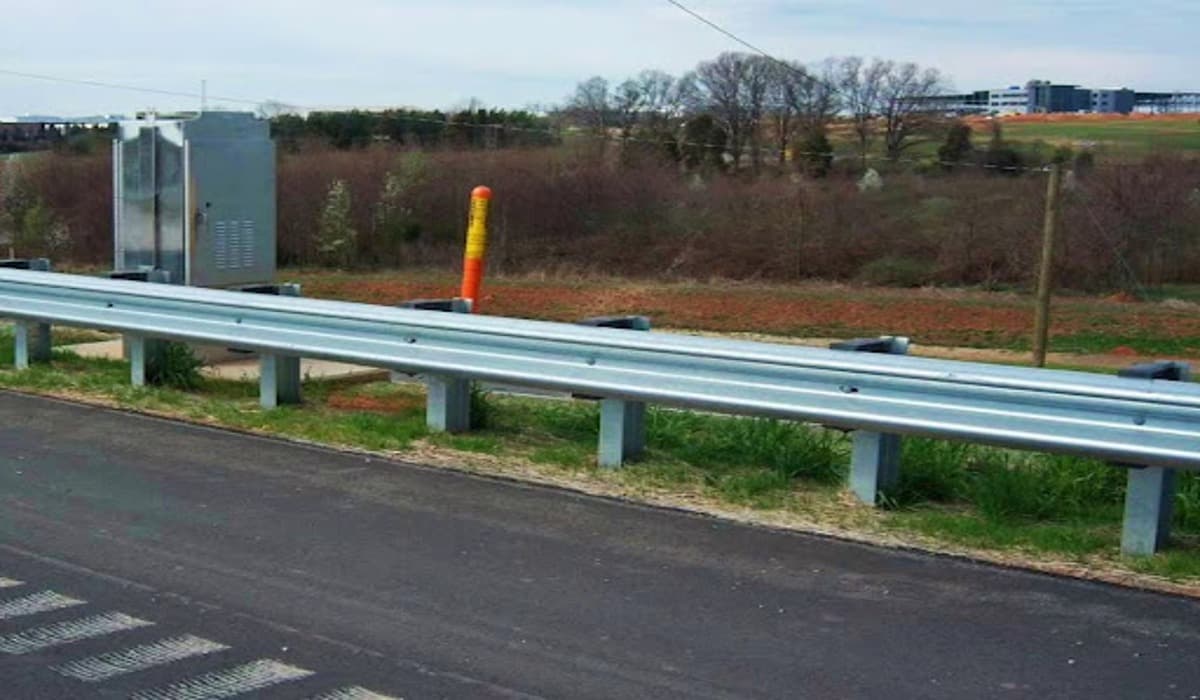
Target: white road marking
point(104, 666)
point(67, 632)
point(354, 693)
point(255, 675)
point(36, 603)
point(9, 582)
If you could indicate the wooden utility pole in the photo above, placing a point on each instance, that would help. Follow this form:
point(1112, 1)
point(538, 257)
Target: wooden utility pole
point(1041, 322)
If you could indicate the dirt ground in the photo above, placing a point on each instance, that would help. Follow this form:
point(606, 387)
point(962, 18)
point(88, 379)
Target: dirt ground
point(1107, 332)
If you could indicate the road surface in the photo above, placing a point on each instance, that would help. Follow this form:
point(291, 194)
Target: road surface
point(149, 559)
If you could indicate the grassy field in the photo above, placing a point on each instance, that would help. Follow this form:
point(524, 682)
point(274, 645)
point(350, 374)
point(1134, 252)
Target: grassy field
point(1134, 135)
point(1035, 509)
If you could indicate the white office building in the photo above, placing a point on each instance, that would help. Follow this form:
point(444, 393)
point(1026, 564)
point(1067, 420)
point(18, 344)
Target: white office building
point(1009, 100)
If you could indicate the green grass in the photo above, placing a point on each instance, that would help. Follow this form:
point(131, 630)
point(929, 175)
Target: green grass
point(1097, 342)
point(1124, 137)
point(980, 497)
point(229, 403)
point(1060, 538)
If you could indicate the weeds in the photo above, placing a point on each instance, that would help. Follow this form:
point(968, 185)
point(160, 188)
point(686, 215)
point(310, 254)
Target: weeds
point(933, 471)
point(173, 365)
point(1047, 487)
point(791, 450)
point(483, 410)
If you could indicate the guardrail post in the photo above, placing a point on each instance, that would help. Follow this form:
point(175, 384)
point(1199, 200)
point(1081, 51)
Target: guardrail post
point(279, 380)
point(1150, 491)
point(447, 398)
point(140, 349)
point(31, 341)
point(875, 457)
point(622, 423)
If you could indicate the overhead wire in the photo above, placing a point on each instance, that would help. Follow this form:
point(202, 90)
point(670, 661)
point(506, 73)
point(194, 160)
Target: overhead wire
point(119, 86)
point(771, 57)
point(560, 133)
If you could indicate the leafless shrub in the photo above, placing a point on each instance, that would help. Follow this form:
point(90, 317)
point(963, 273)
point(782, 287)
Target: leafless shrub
point(577, 209)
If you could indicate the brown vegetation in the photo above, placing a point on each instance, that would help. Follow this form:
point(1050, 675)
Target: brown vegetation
point(598, 209)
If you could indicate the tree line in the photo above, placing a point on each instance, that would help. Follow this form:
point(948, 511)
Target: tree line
point(473, 127)
point(741, 106)
point(735, 109)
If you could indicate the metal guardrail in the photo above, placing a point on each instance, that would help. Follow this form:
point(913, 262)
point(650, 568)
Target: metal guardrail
point(1151, 423)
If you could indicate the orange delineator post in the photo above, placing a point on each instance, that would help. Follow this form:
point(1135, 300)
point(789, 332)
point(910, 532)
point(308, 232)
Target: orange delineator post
point(481, 197)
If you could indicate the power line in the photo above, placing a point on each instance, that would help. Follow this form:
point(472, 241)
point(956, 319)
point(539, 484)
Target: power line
point(551, 132)
point(804, 74)
point(723, 30)
point(120, 86)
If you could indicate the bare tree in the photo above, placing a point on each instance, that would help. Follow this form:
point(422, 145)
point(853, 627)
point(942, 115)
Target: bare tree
point(861, 84)
point(663, 98)
point(663, 102)
point(591, 105)
point(720, 91)
point(781, 107)
point(800, 100)
point(628, 102)
point(760, 73)
point(906, 105)
point(815, 96)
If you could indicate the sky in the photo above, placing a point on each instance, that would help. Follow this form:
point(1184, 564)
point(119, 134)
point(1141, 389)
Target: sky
point(523, 53)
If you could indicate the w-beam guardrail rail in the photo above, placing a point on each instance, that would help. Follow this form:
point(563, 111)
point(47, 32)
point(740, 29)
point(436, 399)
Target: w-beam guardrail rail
point(1151, 423)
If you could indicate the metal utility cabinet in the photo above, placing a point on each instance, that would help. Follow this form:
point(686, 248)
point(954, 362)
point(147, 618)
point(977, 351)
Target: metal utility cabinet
point(195, 198)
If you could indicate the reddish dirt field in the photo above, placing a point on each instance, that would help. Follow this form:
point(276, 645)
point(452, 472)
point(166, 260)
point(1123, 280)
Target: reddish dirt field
point(932, 316)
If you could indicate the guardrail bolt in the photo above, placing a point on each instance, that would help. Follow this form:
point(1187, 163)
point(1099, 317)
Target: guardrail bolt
point(622, 423)
point(448, 399)
point(875, 457)
point(31, 339)
point(1150, 491)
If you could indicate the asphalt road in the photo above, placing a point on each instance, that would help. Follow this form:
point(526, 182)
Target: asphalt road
point(156, 560)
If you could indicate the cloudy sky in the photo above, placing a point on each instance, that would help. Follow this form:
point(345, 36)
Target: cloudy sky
point(527, 52)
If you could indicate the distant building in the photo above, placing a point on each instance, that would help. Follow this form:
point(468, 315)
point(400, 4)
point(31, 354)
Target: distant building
point(1120, 101)
point(957, 104)
point(1045, 97)
point(1010, 100)
point(1167, 102)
